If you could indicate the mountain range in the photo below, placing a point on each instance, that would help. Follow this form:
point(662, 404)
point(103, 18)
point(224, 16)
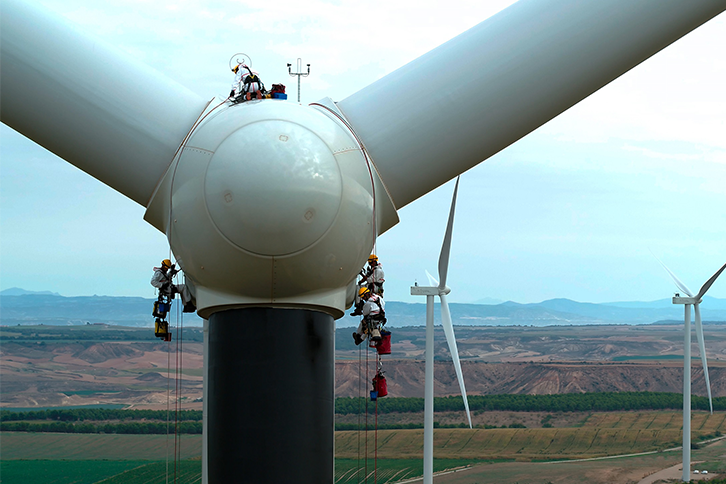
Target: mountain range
point(18, 306)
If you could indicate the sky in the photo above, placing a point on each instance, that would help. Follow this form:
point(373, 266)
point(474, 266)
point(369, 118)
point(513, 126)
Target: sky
point(572, 210)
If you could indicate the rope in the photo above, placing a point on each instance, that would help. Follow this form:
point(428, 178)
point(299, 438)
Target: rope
point(360, 380)
point(179, 382)
point(176, 399)
point(366, 463)
point(375, 459)
point(168, 396)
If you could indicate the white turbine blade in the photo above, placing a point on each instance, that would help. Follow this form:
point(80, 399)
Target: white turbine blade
point(702, 349)
point(677, 281)
point(504, 78)
point(446, 246)
point(451, 339)
point(709, 283)
point(432, 280)
point(113, 117)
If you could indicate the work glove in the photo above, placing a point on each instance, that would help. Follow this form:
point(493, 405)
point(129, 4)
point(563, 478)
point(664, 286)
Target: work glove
point(231, 93)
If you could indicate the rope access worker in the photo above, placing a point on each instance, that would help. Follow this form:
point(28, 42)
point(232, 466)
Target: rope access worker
point(372, 277)
point(162, 280)
point(246, 82)
point(374, 316)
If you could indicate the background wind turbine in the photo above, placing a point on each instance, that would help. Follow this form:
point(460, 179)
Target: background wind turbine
point(438, 289)
point(689, 301)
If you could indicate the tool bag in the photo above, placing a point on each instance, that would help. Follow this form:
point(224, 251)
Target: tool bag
point(161, 308)
point(161, 328)
point(278, 88)
point(380, 387)
point(384, 345)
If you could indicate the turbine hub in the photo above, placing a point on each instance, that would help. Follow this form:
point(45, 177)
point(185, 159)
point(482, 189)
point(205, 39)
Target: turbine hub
point(271, 204)
point(273, 187)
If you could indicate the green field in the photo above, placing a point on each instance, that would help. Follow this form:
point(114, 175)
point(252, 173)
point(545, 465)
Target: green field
point(32, 446)
point(62, 471)
point(187, 472)
point(29, 458)
point(114, 406)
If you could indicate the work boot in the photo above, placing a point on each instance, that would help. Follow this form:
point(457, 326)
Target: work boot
point(375, 335)
point(356, 337)
point(357, 312)
point(189, 308)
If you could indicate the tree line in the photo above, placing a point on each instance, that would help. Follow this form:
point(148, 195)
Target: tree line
point(98, 414)
point(568, 402)
point(110, 428)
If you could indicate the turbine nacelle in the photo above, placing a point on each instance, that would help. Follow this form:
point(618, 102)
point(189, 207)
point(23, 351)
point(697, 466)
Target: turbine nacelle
point(686, 300)
point(430, 291)
point(271, 203)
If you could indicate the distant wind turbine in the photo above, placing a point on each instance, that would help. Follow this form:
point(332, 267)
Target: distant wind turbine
point(689, 301)
point(438, 289)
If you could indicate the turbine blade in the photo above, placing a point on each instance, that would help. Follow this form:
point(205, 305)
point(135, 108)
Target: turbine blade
point(451, 339)
point(677, 281)
point(108, 114)
point(702, 349)
point(446, 246)
point(524, 64)
point(709, 283)
point(432, 280)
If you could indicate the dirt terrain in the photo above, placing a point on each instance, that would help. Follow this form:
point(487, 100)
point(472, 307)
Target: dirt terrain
point(55, 369)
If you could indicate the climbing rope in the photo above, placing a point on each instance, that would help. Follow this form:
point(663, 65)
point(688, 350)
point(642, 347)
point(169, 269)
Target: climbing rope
point(178, 389)
point(375, 459)
point(360, 380)
point(168, 396)
point(366, 462)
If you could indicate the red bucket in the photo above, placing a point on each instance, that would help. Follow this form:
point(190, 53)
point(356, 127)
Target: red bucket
point(384, 345)
point(380, 385)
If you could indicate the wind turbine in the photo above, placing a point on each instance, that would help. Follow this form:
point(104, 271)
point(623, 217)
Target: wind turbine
point(272, 208)
point(438, 289)
point(687, 302)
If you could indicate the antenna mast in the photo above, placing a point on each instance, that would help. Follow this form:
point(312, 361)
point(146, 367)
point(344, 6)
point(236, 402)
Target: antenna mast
point(299, 74)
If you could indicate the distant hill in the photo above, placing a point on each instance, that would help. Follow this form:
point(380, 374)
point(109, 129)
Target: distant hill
point(48, 308)
point(16, 291)
point(60, 310)
point(547, 313)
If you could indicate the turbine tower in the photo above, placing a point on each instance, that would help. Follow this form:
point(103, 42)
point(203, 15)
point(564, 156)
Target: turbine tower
point(272, 208)
point(442, 290)
point(687, 302)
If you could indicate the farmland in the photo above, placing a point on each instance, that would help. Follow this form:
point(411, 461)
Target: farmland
point(22, 445)
point(63, 471)
point(593, 435)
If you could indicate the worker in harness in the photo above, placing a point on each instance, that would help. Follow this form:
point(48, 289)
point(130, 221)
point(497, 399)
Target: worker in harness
point(246, 82)
point(374, 317)
point(374, 275)
point(162, 280)
point(371, 277)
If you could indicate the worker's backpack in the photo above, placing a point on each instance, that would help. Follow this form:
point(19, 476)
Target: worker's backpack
point(249, 79)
